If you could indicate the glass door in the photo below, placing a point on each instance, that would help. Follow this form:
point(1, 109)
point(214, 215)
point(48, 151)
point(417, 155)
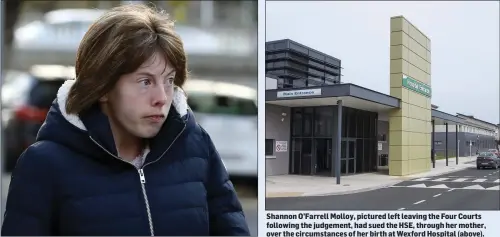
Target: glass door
point(348, 156)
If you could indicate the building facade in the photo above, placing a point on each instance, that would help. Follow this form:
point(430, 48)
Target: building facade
point(296, 65)
point(325, 127)
point(474, 136)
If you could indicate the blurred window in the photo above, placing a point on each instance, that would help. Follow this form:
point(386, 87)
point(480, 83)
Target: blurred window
point(269, 147)
point(218, 104)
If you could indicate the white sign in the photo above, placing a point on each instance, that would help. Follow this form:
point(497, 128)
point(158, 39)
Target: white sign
point(380, 146)
point(281, 146)
point(297, 93)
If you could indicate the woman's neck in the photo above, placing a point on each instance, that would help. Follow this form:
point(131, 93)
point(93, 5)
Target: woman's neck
point(127, 145)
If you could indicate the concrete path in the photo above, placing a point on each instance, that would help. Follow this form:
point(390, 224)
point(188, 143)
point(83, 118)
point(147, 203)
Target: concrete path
point(468, 189)
point(299, 185)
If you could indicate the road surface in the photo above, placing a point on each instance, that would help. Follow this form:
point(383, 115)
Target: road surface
point(248, 201)
point(469, 189)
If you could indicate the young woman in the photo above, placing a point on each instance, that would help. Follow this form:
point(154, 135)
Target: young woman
point(120, 153)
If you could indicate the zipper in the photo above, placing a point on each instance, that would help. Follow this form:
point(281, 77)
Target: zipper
point(142, 177)
point(146, 200)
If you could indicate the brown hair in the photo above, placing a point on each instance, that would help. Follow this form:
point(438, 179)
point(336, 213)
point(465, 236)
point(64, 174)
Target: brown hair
point(118, 43)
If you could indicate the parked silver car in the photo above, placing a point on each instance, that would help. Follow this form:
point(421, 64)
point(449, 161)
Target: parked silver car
point(229, 114)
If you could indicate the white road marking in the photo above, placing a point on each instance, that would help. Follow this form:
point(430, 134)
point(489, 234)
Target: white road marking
point(450, 190)
point(494, 188)
point(440, 179)
point(459, 180)
point(477, 187)
point(421, 201)
point(421, 179)
point(401, 208)
point(496, 181)
point(418, 186)
point(437, 195)
point(479, 180)
point(439, 186)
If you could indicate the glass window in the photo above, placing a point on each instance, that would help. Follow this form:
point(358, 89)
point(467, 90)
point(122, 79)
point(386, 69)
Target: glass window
point(332, 61)
point(359, 124)
point(296, 122)
point(316, 64)
point(344, 122)
point(296, 148)
point(323, 122)
point(298, 48)
point(316, 55)
point(314, 81)
point(297, 66)
point(351, 117)
point(276, 72)
point(316, 72)
point(269, 147)
point(306, 157)
point(298, 57)
point(279, 64)
point(275, 55)
point(308, 121)
point(280, 45)
point(299, 83)
point(269, 46)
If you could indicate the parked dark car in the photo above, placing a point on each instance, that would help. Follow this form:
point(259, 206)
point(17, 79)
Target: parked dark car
point(23, 119)
point(487, 160)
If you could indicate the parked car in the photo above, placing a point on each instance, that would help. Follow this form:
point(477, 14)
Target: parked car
point(228, 112)
point(26, 106)
point(487, 160)
point(495, 151)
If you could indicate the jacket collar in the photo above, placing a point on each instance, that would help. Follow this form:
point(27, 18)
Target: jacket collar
point(95, 124)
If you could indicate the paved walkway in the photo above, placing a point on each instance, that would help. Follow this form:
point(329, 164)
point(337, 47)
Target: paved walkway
point(299, 185)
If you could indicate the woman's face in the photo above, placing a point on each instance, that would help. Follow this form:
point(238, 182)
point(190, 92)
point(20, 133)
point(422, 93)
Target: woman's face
point(140, 101)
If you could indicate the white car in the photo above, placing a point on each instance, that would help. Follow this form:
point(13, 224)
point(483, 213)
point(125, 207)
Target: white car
point(228, 112)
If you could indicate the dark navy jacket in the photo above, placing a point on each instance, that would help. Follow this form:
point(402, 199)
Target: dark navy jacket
point(70, 183)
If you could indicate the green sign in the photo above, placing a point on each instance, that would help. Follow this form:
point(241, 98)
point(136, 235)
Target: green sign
point(416, 86)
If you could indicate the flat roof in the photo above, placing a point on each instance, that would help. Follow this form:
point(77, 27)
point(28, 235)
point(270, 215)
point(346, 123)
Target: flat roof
point(353, 95)
point(474, 118)
point(339, 90)
point(440, 118)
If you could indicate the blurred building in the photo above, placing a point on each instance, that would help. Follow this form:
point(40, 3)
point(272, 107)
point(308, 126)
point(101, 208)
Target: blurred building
point(220, 37)
point(235, 14)
point(296, 65)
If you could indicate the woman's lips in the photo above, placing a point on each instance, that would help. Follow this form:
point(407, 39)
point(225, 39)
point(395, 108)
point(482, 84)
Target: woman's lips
point(155, 118)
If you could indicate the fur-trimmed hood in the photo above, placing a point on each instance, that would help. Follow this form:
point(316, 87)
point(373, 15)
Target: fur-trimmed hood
point(90, 132)
point(179, 102)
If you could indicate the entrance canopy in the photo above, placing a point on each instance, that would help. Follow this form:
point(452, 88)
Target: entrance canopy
point(351, 95)
point(440, 118)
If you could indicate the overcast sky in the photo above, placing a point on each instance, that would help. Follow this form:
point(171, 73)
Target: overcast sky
point(464, 45)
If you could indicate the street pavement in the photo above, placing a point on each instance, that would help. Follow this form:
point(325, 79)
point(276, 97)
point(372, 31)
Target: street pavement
point(248, 201)
point(468, 189)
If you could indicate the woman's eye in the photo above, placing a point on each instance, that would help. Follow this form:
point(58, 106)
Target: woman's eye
point(145, 82)
point(169, 81)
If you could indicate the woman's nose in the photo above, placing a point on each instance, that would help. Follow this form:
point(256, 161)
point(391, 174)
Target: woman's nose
point(159, 97)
